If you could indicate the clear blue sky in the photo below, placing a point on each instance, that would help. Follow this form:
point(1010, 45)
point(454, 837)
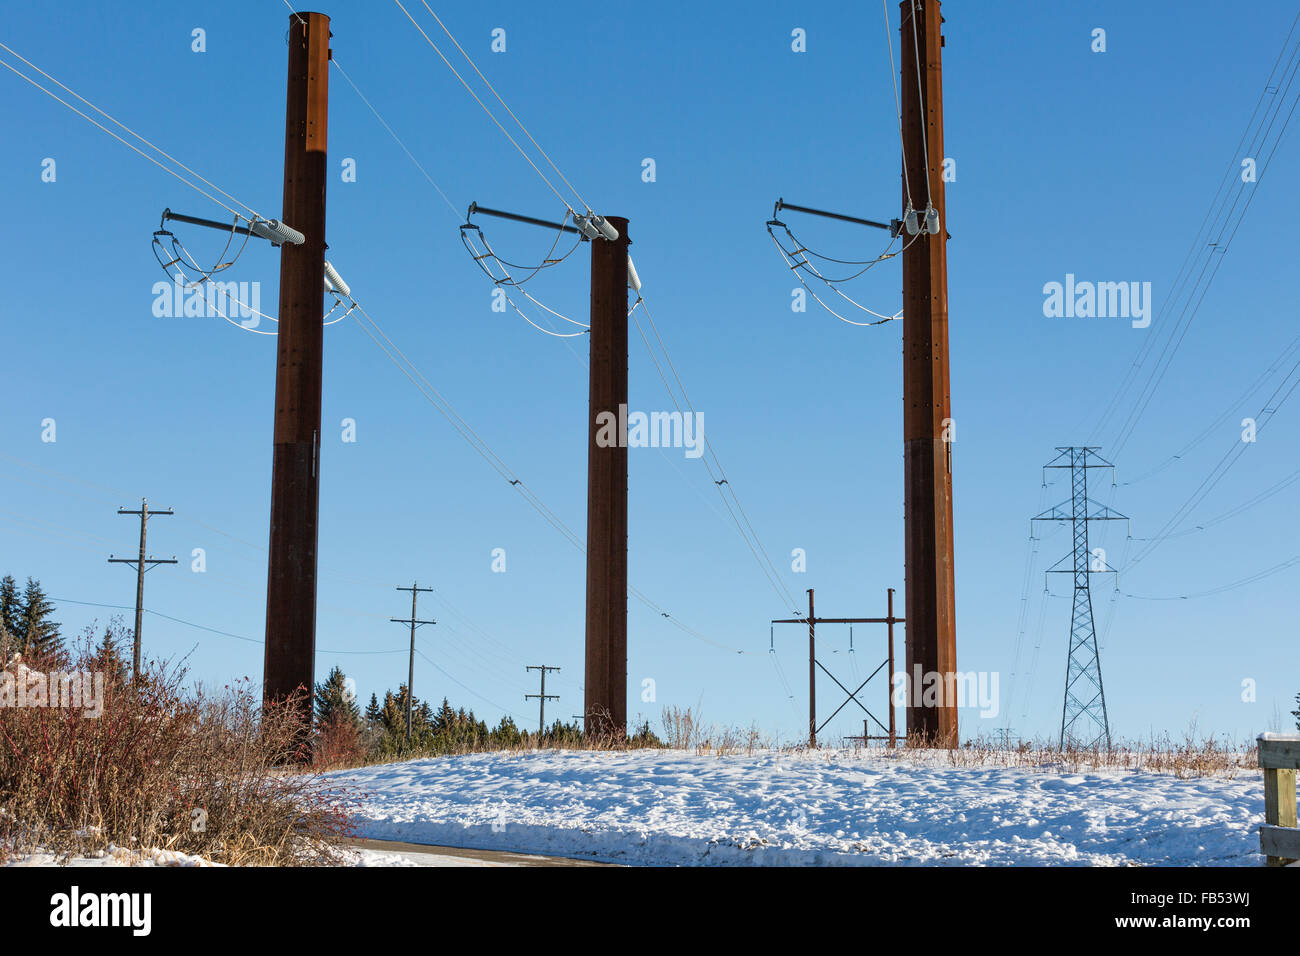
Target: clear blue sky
point(1068, 161)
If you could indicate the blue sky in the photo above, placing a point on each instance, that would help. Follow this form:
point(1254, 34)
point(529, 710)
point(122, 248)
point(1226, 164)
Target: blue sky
point(1100, 165)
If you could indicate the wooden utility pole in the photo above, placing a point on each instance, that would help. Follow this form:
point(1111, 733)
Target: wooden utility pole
point(927, 414)
point(141, 564)
point(295, 477)
point(606, 635)
point(542, 697)
point(415, 590)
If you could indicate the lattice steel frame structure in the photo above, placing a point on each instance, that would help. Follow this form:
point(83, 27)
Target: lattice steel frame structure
point(1084, 719)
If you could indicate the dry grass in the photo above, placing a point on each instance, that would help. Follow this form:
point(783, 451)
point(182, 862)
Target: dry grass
point(165, 767)
point(686, 730)
point(1188, 757)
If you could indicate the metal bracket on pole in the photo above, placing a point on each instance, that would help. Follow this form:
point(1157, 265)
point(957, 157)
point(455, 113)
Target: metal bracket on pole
point(892, 225)
point(272, 230)
point(514, 217)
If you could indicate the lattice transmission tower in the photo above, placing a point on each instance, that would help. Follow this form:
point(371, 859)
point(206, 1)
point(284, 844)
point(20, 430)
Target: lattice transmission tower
point(1084, 720)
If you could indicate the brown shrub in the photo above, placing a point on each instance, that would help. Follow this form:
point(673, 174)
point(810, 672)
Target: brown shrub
point(208, 774)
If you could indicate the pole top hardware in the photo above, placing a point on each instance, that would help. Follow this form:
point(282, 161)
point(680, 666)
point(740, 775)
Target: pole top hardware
point(892, 225)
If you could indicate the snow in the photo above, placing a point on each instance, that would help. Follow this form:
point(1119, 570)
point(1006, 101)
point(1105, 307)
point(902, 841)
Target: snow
point(800, 808)
point(112, 856)
point(372, 858)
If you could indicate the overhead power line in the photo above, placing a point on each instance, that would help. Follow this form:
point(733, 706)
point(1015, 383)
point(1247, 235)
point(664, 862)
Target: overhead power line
point(1209, 246)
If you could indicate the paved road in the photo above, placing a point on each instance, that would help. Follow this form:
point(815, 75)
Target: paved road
point(423, 855)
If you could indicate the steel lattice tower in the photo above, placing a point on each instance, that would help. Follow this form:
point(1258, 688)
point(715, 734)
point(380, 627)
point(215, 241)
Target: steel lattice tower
point(1083, 713)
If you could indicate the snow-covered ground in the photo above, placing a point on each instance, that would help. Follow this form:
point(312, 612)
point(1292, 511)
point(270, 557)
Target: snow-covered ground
point(824, 808)
point(113, 856)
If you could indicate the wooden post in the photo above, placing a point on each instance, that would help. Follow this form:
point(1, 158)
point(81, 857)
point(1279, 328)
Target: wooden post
point(1279, 756)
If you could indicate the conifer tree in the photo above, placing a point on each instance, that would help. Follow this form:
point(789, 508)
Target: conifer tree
point(110, 657)
point(38, 637)
point(335, 702)
point(10, 610)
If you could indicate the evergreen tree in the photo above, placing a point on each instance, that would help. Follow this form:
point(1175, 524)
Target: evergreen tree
point(10, 611)
point(38, 637)
point(372, 710)
point(110, 657)
point(444, 721)
point(334, 702)
point(392, 716)
point(1296, 713)
point(506, 733)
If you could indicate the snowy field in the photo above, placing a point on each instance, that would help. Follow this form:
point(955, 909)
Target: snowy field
point(827, 808)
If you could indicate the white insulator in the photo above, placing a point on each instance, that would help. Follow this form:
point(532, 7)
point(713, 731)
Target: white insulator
point(333, 282)
point(910, 223)
point(633, 280)
point(606, 230)
point(585, 227)
point(932, 221)
point(277, 232)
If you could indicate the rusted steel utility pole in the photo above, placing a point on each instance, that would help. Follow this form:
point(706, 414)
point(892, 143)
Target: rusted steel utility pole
point(812, 672)
point(142, 564)
point(927, 415)
point(893, 732)
point(606, 637)
point(812, 620)
point(295, 476)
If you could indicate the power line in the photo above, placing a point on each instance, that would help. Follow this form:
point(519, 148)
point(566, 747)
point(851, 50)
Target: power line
point(157, 149)
point(204, 627)
point(1221, 468)
point(1214, 251)
point(503, 104)
point(484, 106)
point(435, 398)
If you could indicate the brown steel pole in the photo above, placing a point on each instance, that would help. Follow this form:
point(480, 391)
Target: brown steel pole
point(892, 732)
point(812, 672)
point(295, 476)
point(606, 637)
point(929, 601)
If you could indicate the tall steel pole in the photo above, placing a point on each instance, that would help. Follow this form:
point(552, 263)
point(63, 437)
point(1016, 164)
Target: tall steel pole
point(893, 732)
point(927, 457)
point(606, 632)
point(295, 475)
point(812, 672)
